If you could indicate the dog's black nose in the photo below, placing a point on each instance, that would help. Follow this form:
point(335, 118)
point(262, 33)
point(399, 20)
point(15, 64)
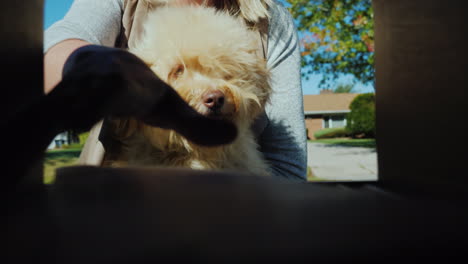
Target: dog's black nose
point(214, 100)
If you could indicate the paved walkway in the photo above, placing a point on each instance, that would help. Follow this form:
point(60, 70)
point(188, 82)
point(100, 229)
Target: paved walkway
point(342, 163)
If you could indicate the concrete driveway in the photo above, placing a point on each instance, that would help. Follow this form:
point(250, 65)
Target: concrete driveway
point(342, 163)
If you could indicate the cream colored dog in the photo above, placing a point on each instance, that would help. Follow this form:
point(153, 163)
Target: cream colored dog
point(211, 59)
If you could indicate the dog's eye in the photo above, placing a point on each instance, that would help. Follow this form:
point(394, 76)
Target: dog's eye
point(177, 71)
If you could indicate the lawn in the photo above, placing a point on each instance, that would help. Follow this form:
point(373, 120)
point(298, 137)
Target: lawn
point(58, 158)
point(347, 142)
point(66, 157)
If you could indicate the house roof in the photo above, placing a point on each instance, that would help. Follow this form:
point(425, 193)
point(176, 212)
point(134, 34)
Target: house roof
point(328, 103)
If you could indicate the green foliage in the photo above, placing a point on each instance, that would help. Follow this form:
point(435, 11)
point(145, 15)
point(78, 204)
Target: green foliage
point(81, 140)
point(361, 119)
point(83, 137)
point(73, 146)
point(346, 142)
point(55, 159)
point(336, 37)
point(344, 88)
point(331, 133)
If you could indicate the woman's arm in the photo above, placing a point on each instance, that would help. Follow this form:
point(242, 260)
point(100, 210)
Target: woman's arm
point(87, 22)
point(283, 141)
point(54, 60)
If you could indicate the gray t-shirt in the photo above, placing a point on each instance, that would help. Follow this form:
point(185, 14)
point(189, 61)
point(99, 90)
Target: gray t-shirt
point(283, 140)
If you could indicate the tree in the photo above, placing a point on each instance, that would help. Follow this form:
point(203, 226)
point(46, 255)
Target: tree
point(72, 137)
point(336, 37)
point(361, 119)
point(344, 88)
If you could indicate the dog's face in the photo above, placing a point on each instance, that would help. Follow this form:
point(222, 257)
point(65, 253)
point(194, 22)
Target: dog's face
point(210, 58)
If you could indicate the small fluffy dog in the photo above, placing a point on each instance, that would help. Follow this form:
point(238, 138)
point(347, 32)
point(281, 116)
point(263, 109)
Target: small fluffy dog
point(211, 59)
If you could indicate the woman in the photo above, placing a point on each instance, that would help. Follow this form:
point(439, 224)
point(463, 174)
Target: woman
point(115, 23)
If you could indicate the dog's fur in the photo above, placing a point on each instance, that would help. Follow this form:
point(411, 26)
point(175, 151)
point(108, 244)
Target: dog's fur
point(198, 50)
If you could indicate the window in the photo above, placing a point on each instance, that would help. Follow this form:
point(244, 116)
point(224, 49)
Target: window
point(335, 121)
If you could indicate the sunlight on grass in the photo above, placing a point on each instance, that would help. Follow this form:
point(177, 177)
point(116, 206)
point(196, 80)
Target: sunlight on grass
point(347, 142)
point(67, 157)
point(56, 159)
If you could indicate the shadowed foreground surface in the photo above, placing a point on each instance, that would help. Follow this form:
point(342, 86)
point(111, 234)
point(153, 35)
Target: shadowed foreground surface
point(103, 215)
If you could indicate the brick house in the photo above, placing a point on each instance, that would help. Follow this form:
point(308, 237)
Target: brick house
point(326, 110)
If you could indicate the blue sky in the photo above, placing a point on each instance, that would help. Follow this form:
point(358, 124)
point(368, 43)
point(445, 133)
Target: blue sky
point(56, 9)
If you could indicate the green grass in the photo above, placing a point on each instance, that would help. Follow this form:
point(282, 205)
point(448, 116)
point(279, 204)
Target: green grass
point(58, 158)
point(347, 142)
point(66, 157)
point(331, 133)
point(311, 177)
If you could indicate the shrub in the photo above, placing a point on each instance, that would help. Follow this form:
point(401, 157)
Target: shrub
point(331, 133)
point(361, 119)
point(79, 145)
point(83, 137)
